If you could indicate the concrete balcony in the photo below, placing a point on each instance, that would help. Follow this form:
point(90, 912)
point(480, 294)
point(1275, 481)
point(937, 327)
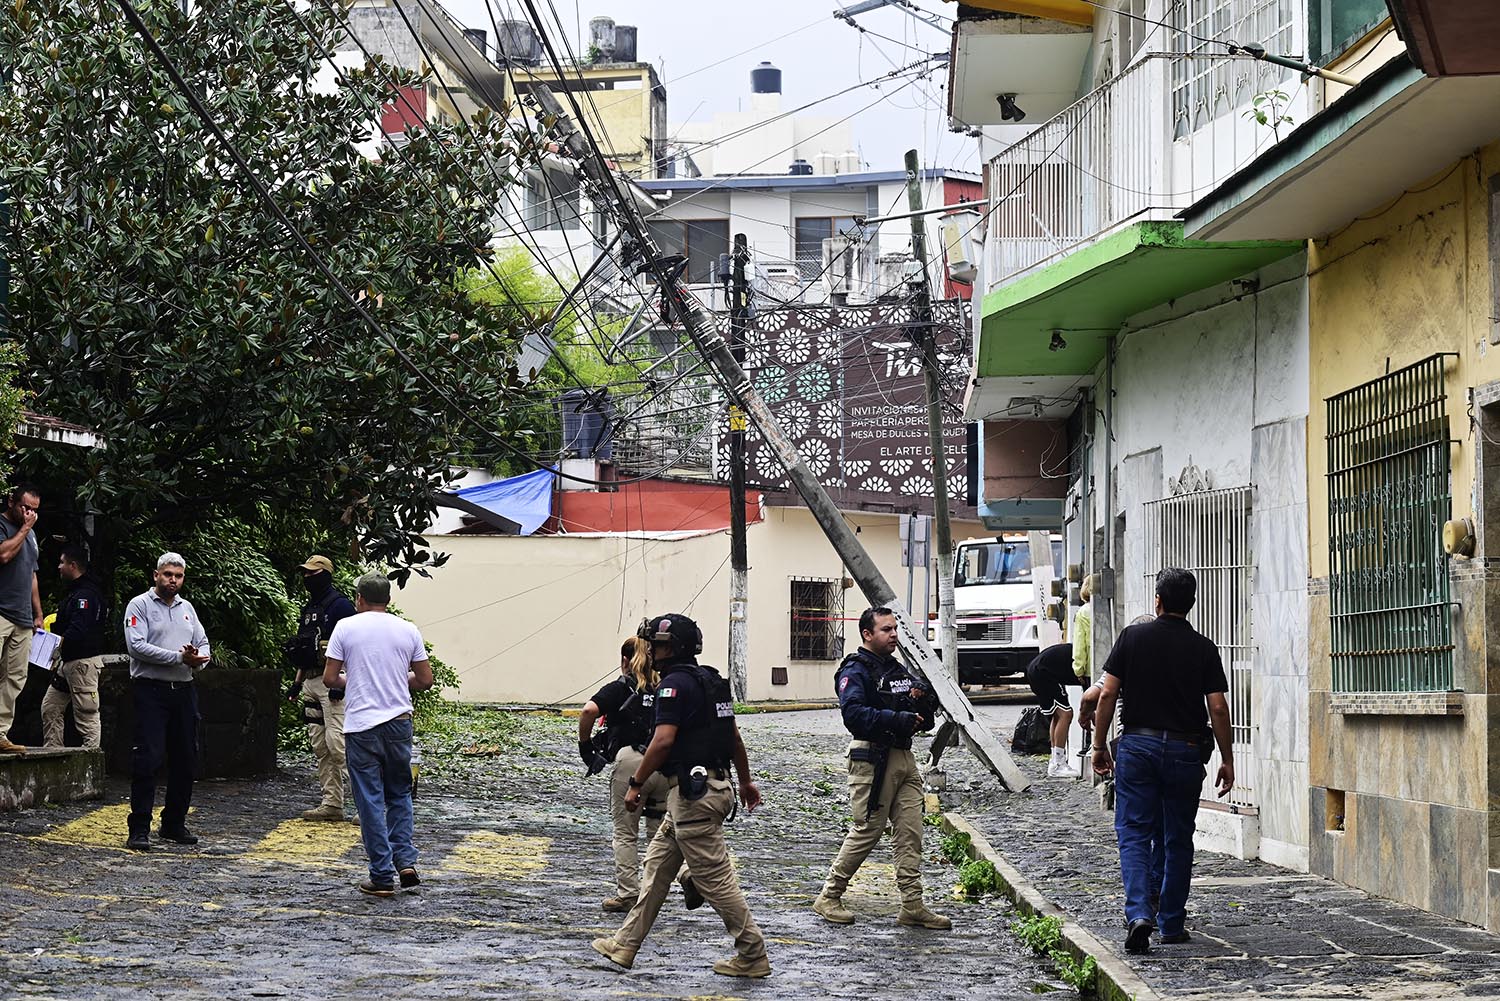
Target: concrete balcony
point(1084, 230)
point(1036, 60)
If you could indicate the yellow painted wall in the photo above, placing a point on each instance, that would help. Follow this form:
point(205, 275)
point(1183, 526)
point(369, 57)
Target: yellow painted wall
point(619, 119)
point(1406, 282)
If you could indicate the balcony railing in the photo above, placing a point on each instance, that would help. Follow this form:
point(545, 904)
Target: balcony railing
point(1119, 154)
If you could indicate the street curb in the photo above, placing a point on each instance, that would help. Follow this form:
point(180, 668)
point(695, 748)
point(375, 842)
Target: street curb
point(1116, 980)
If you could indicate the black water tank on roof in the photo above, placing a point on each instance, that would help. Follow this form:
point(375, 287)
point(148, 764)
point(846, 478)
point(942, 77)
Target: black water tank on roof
point(586, 416)
point(800, 168)
point(765, 79)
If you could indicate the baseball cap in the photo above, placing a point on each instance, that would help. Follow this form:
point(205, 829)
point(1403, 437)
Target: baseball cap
point(316, 563)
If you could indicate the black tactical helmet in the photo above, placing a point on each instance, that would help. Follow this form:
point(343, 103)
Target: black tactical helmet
point(679, 630)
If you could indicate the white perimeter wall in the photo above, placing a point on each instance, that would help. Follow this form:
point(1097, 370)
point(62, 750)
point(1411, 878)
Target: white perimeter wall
point(541, 619)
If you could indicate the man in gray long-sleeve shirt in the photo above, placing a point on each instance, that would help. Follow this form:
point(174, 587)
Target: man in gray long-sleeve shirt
point(166, 644)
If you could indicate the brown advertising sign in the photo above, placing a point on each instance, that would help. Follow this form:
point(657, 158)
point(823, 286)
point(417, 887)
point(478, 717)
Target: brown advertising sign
point(847, 385)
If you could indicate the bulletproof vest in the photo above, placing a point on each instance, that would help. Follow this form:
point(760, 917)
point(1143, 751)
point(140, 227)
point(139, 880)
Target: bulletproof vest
point(710, 741)
point(313, 629)
point(631, 724)
point(890, 684)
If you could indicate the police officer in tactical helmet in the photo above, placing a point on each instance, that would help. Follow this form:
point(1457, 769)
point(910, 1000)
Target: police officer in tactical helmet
point(695, 741)
point(883, 705)
point(322, 707)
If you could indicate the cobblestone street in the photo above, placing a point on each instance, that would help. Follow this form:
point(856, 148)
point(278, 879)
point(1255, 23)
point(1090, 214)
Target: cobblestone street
point(515, 848)
point(1259, 931)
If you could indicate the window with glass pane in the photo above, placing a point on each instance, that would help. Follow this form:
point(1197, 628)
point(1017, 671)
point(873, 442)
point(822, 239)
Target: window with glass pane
point(551, 200)
point(706, 240)
point(701, 241)
point(1334, 25)
point(1388, 496)
point(810, 232)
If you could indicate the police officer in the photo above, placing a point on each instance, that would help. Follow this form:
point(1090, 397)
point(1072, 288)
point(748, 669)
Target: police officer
point(322, 707)
point(627, 705)
point(883, 706)
point(80, 622)
point(695, 740)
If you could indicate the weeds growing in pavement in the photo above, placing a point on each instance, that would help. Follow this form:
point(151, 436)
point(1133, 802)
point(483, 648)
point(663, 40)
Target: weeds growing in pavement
point(978, 877)
point(1043, 935)
point(957, 847)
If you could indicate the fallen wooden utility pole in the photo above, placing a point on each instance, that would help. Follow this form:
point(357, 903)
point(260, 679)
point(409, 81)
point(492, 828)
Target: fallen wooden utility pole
point(705, 336)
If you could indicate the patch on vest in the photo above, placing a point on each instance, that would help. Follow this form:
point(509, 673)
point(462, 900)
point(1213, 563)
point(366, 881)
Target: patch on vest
point(901, 686)
point(667, 693)
point(724, 709)
point(843, 684)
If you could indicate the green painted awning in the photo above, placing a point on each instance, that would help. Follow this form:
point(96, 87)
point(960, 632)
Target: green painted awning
point(1088, 294)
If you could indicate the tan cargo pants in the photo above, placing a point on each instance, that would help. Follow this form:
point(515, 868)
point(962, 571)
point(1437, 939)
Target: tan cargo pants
point(628, 823)
point(82, 677)
point(693, 831)
point(326, 738)
point(15, 649)
point(900, 799)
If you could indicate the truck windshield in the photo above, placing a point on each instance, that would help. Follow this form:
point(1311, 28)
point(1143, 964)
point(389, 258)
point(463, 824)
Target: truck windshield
point(993, 563)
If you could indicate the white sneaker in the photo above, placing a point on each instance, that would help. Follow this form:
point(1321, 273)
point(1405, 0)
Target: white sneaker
point(1061, 770)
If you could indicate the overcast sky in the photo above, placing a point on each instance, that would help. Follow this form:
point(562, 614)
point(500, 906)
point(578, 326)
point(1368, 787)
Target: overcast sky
point(704, 52)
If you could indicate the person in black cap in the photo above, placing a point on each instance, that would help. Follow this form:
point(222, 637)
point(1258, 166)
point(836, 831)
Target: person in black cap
point(322, 707)
point(80, 652)
point(695, 740)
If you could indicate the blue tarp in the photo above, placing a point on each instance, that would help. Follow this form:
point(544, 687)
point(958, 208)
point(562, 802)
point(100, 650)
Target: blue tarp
point(525, 499)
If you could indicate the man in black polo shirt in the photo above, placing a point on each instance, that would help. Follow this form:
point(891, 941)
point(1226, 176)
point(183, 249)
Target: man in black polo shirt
point(1174, 682)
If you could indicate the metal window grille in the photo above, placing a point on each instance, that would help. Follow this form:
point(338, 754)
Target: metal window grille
point(1205, 84)
point(1208, 533)
point(1388, 496)
point(817, 618)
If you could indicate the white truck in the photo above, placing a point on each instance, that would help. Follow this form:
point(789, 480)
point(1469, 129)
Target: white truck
point(996, 606)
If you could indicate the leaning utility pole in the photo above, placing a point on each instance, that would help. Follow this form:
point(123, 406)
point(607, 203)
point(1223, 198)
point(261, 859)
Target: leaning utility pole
point(739, 565)
point(732, 379)
point(927, 341)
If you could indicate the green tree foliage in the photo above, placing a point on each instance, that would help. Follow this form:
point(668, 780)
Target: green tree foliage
point(160, 304)
point(12, 399)
point(514, 281)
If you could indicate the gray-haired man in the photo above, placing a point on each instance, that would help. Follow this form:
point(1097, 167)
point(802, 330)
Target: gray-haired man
point(166, 644)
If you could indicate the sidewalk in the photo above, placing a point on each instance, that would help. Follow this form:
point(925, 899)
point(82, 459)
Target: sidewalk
point(1259, 931)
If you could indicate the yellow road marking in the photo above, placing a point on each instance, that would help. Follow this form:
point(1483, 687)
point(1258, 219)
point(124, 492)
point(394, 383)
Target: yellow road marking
point(308, 841)
point(490, 853)
point(104, 827)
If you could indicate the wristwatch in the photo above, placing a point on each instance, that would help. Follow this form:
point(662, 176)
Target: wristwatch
point(636, 785)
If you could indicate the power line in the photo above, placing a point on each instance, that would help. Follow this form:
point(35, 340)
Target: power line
point(269, 202)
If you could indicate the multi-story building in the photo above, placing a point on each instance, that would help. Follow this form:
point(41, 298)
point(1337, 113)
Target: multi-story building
point(1393, 187)
point(624, 102)
point(1249, 313)
point(546, 209)
point(1143, 391)
point(805, 231)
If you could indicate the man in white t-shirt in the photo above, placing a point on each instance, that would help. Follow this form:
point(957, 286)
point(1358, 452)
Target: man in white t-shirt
point(379, 660)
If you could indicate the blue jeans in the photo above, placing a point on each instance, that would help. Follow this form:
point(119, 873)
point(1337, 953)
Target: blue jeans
point(379, 762)
point(1157, 786)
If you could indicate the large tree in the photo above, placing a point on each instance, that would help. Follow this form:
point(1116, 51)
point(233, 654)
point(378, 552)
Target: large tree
point(161, 304)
